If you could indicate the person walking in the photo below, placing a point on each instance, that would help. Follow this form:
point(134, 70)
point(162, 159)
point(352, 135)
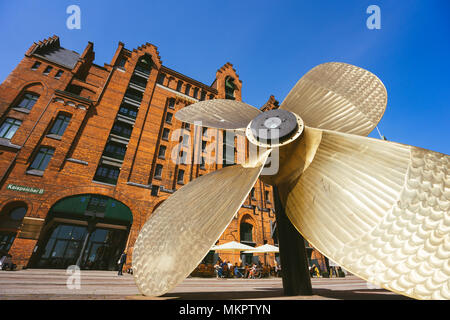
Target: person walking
point(237, 273)
point(121, 262)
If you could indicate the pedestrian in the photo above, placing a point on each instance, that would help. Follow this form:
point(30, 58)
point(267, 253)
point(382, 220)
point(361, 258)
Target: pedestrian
point(225, 271)
point(218, 269)
point(121, 262)
point(237, 273)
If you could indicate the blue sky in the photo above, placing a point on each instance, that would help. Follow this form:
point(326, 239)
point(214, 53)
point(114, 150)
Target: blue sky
point(270, 43)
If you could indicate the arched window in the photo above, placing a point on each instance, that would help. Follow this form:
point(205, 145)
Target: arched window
point(10, 221)
point(27, 101)
point(246, 232)
point(144, 64)
point(230, 87)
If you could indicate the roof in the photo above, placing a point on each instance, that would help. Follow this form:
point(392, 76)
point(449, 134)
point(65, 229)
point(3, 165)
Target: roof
point(51, 50)
point(61, 56)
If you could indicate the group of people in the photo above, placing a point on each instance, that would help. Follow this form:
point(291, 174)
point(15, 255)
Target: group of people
point(224, 269)
point(334, 271)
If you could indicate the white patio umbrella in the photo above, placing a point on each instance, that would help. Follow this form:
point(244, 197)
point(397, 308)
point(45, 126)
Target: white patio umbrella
point(267, 248)
point(231, 246)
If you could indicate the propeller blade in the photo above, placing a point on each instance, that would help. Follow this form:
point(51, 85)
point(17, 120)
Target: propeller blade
point(338, 96)
point(182, 230)
point(219, 113)
point(379, 209)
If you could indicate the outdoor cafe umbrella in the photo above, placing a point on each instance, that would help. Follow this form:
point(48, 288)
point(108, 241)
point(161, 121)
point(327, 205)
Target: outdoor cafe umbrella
point(231, 246)
point(267, 248)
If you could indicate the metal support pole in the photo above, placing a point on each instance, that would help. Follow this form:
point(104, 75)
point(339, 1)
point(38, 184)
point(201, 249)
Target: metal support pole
point(294, 262)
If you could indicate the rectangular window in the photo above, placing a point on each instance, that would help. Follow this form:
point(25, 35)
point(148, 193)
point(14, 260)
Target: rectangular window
point(59, 74)
point(179, 85)
point(266, 195)
point(186, 140)
point(162, 152)
point(6, 241)
point(155, 190)
point(42, 159)
point(171, 104)
point(36, 65)
point(195, 93)
point(47, 70)
point(180, 177)
point(115, 150)
point(169, 117)
point(121, 62)
point(188, 89)
point(202, 163)
point(28, 100)
point(252, 194)
point(183, 157)
point(122, 129)
point(187, 126)
point(9, 128)
point(128, 111)
point(228, 149)
point(204, 143)
point(203, 95)
point(60, 124)
point(107, 174)
point(205, 131)
point(97, 204)
point(161, 78)
point(158, 171)
point(133, 94)
point(165, 134)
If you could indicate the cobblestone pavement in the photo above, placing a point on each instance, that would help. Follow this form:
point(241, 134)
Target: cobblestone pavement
point(38, 284)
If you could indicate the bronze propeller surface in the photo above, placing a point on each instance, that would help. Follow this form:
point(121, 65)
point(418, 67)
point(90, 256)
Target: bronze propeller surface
point(380, 209)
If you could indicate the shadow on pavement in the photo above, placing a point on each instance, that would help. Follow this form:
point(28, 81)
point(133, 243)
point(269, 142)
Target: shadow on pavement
point(277, 293)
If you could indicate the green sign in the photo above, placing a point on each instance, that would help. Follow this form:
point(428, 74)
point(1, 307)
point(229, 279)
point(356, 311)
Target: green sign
point(24, 189)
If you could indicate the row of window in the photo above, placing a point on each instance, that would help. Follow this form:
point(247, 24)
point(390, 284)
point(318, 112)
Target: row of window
point(159, 170)
point(108, 173)
point(266, 195)
point(47, 70)
point(187, 89)
point(10, 125)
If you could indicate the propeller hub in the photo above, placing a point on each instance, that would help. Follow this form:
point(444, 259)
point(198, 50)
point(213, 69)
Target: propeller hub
point(274, 127)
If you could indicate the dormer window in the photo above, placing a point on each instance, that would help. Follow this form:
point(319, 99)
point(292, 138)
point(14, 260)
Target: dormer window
point(230, 87)
point(144, 64)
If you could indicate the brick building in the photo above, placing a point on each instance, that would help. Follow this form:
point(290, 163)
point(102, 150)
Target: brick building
point(86, 154)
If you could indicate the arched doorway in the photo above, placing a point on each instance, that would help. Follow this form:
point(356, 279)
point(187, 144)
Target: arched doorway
point(11, 218)
point(246, 237)
point(87, 230)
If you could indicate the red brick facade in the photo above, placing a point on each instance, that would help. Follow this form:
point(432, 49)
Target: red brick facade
point(92, 96)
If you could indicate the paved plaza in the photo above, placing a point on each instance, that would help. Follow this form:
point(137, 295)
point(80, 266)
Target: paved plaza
point(35, 284)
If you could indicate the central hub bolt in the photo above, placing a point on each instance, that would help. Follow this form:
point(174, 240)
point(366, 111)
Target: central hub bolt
point(274, 127)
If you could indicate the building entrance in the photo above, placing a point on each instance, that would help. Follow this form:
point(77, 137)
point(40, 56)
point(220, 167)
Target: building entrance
point(65, 243)
point(89, 231)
